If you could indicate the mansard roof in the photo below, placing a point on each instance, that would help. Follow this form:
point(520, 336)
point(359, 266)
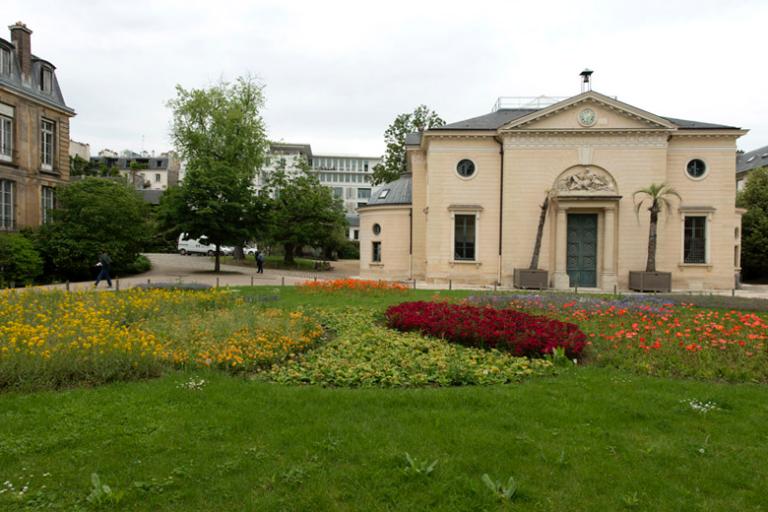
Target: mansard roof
point(752, 160)
point(32, 88)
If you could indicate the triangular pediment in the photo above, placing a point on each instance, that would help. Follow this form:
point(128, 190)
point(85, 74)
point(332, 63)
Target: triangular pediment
point(589, 111)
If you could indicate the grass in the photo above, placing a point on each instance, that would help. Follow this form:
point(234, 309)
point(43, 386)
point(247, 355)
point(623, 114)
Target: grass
point(274, 263)
point(592, 439)
point(596, 437)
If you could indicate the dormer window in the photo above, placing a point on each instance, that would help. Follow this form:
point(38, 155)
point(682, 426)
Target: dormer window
point(46, 79)
point(5, 61)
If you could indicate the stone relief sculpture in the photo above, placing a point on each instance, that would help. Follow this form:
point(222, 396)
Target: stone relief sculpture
point(585, 180)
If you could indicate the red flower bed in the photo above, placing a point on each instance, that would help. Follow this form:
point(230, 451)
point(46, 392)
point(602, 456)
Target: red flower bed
point(519, 333)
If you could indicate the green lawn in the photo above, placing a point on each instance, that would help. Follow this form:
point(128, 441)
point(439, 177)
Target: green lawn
point(591, 439)
point(588, 438)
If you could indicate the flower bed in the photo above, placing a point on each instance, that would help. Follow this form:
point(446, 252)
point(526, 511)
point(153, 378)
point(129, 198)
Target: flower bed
point(360, 285)
point(515, 332)
point(53, 339)
point(657, 335)
point(364, 353)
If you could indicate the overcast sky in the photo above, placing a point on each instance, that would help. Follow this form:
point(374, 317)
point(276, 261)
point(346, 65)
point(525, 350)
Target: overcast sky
point(337, 73)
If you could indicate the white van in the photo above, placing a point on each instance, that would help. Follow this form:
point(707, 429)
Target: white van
point(200, 245)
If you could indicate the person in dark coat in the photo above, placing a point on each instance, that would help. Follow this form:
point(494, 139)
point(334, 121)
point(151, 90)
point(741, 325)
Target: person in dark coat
point(104, 264)
point(259, 262)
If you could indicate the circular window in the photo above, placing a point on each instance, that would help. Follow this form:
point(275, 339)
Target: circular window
point(696, 169)
point(376, 229)
point(465, 168)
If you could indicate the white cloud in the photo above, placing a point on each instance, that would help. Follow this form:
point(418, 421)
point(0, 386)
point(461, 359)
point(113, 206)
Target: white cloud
point(337, 73)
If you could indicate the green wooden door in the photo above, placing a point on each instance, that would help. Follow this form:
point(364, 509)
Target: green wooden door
point(582, 249)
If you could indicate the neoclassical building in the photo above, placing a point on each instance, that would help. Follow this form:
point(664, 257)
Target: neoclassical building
point(468, 209)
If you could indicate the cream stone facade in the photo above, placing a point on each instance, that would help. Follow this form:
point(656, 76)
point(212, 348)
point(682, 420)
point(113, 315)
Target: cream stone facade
point(589, 154)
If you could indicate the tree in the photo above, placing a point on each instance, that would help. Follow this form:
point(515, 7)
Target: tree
point(393, 163)
point(80, 166)
point(754, 225)
point(220, 133)
point(303, 212)
point(93, 215)
point(658, 196)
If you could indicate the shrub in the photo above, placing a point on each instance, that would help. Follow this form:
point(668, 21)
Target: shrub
point(20, 263)
point(512, 331)
point(94, 215)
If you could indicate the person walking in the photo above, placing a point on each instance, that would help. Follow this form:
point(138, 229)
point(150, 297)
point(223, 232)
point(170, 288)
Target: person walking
point(104, 264)
point(259, 262)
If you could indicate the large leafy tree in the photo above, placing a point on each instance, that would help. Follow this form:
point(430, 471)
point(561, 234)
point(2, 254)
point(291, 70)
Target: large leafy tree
point(93, 216)
point(754, 238)
point(303, 212)
point(393, 163)
point(220, 133)
point(657, 198)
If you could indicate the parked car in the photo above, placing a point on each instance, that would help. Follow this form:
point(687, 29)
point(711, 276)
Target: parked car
point(187, 245)
point(250, 250)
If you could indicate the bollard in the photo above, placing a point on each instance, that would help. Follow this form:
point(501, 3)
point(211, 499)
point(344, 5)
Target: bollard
point(614, 289)
point(149, 281)
point(414, 284)
point(282, 281)
point(450, 284)
point(733, 292)
point(217, 282)
point(576, 289)
point(117, 284)
point(67, 285)
point(251, 279)
point(494, 287)
point(315, 277)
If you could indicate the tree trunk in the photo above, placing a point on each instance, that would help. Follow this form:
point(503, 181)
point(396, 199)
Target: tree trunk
point(539, 234)
point(651, 265)
point(217, 261)
point(238, 255)
point(289, 249)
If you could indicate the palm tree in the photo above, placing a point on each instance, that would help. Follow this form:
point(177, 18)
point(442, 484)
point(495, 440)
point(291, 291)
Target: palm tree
point(659, 198)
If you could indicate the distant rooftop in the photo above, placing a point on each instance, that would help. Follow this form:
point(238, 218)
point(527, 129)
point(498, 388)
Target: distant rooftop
point(525, 102)
point(752, 160)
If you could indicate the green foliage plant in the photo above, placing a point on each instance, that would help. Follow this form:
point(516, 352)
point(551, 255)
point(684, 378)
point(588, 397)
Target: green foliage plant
point(503, 491)
point(20, 263)
point(416, 466)
point(754, 237)
point(93, 216)
point(393, 163)
point(220, 133)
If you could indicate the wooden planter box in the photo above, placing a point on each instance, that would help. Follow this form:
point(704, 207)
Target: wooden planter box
point(531, 279)
point(650, 281)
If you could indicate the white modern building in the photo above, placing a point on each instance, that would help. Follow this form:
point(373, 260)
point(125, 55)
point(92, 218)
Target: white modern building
point(148, 171)
point(348, 176)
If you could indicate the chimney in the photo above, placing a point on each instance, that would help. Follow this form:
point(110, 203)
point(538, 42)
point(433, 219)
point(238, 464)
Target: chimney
point(20, 35)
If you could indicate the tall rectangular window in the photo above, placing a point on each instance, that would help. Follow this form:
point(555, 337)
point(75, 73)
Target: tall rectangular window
point(338, 192)
point(376, 254)
point(695, 240)
point(48, 132)
point(5, 61)
point(7, 214)
point(46, 79)
point(464, 238)
point(6, 138)
point(48, 203)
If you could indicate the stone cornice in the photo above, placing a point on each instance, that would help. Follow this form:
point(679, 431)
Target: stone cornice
point(517, 140)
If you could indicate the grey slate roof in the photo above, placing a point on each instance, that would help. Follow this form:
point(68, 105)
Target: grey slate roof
point(491, 121)
point(399, 192)
point(495, 120)
point(353, 220)
point(752, 160)
point(14, 82)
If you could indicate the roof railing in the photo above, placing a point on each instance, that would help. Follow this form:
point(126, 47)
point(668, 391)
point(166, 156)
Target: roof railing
point(509, 102)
